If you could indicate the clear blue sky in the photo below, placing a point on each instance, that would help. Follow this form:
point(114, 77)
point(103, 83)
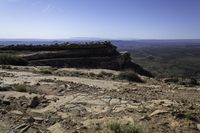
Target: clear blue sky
point(116, 19)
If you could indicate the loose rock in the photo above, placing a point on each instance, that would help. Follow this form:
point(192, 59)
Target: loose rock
point(158, 112)
point(34, 102)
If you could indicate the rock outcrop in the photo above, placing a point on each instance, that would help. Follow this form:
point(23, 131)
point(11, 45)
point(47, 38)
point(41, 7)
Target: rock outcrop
point(93, 55)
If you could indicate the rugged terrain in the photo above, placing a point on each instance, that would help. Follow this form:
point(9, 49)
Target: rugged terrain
point(44, 99)
point(78, 55)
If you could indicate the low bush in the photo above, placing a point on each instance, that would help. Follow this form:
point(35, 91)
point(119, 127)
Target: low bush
point(115, 126)
point(91, 74)
point(46, 71)
point(188, 82)
point(106, 74)
point(130, 76)
point(47, 80)
point(9, 59)
point(186, 115)
point(20, 88)
point(124, 128)
point(6, 67)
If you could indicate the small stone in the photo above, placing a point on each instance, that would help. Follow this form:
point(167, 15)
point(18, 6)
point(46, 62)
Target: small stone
point(3, 111)
point(60, 94)
point(20, 126)
point(25, 129)
point(55, 99)
point(191, 107)
point(29, 119)
point(145, 118)
point(84, 128)
point(114, 101)
point(63, 92)
point(34, 102)
point(39, 119)
point(62, 86)
point(56, 128)
point(198, 127)
point(158, 112)
point(142, 111)
point(6, 102)
point(16, 112)
point(131, 110)
point(4, 87)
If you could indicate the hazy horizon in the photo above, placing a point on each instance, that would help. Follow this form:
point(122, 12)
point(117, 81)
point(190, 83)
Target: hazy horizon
point(95, 38)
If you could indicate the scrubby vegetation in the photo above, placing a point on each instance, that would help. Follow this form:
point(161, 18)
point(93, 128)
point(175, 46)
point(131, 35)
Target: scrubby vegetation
point(140, 70)
point(124, 128)
point(187, 115)
point(105, 75)
point(20, 88)
point(130, 76)
point(101, 75)
point(189, 82)
point(6, 67)
point(56, 47)
point(169, 60)
point(9, 59)
point(46, 71)
point(46, 80)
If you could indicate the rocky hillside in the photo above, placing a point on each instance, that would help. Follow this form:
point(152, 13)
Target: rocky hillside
point(89, 55)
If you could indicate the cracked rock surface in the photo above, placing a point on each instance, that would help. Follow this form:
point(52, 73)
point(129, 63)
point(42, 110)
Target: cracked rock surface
point(60, 104)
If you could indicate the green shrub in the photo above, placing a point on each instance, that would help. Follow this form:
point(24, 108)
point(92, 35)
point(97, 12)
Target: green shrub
point(20, 88)
point(91, 74)
point(130, 76)
point(76, 74)
point(46, 71)
point(115, 126)
point(106, 74)
point(193, 82)
point(9, 59)
point(6, 67)
point(188, 82)
point(187, 115)
point(124, 128)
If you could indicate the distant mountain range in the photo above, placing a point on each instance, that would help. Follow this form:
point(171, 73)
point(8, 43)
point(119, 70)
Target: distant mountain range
point(119, 43)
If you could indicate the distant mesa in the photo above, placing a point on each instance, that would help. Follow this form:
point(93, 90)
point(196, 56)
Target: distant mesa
point(79, 55)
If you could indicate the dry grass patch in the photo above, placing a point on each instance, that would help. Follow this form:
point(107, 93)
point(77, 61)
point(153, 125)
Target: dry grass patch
point(118, 127)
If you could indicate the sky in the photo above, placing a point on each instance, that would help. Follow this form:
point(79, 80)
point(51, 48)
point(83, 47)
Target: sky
point(110, 19)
